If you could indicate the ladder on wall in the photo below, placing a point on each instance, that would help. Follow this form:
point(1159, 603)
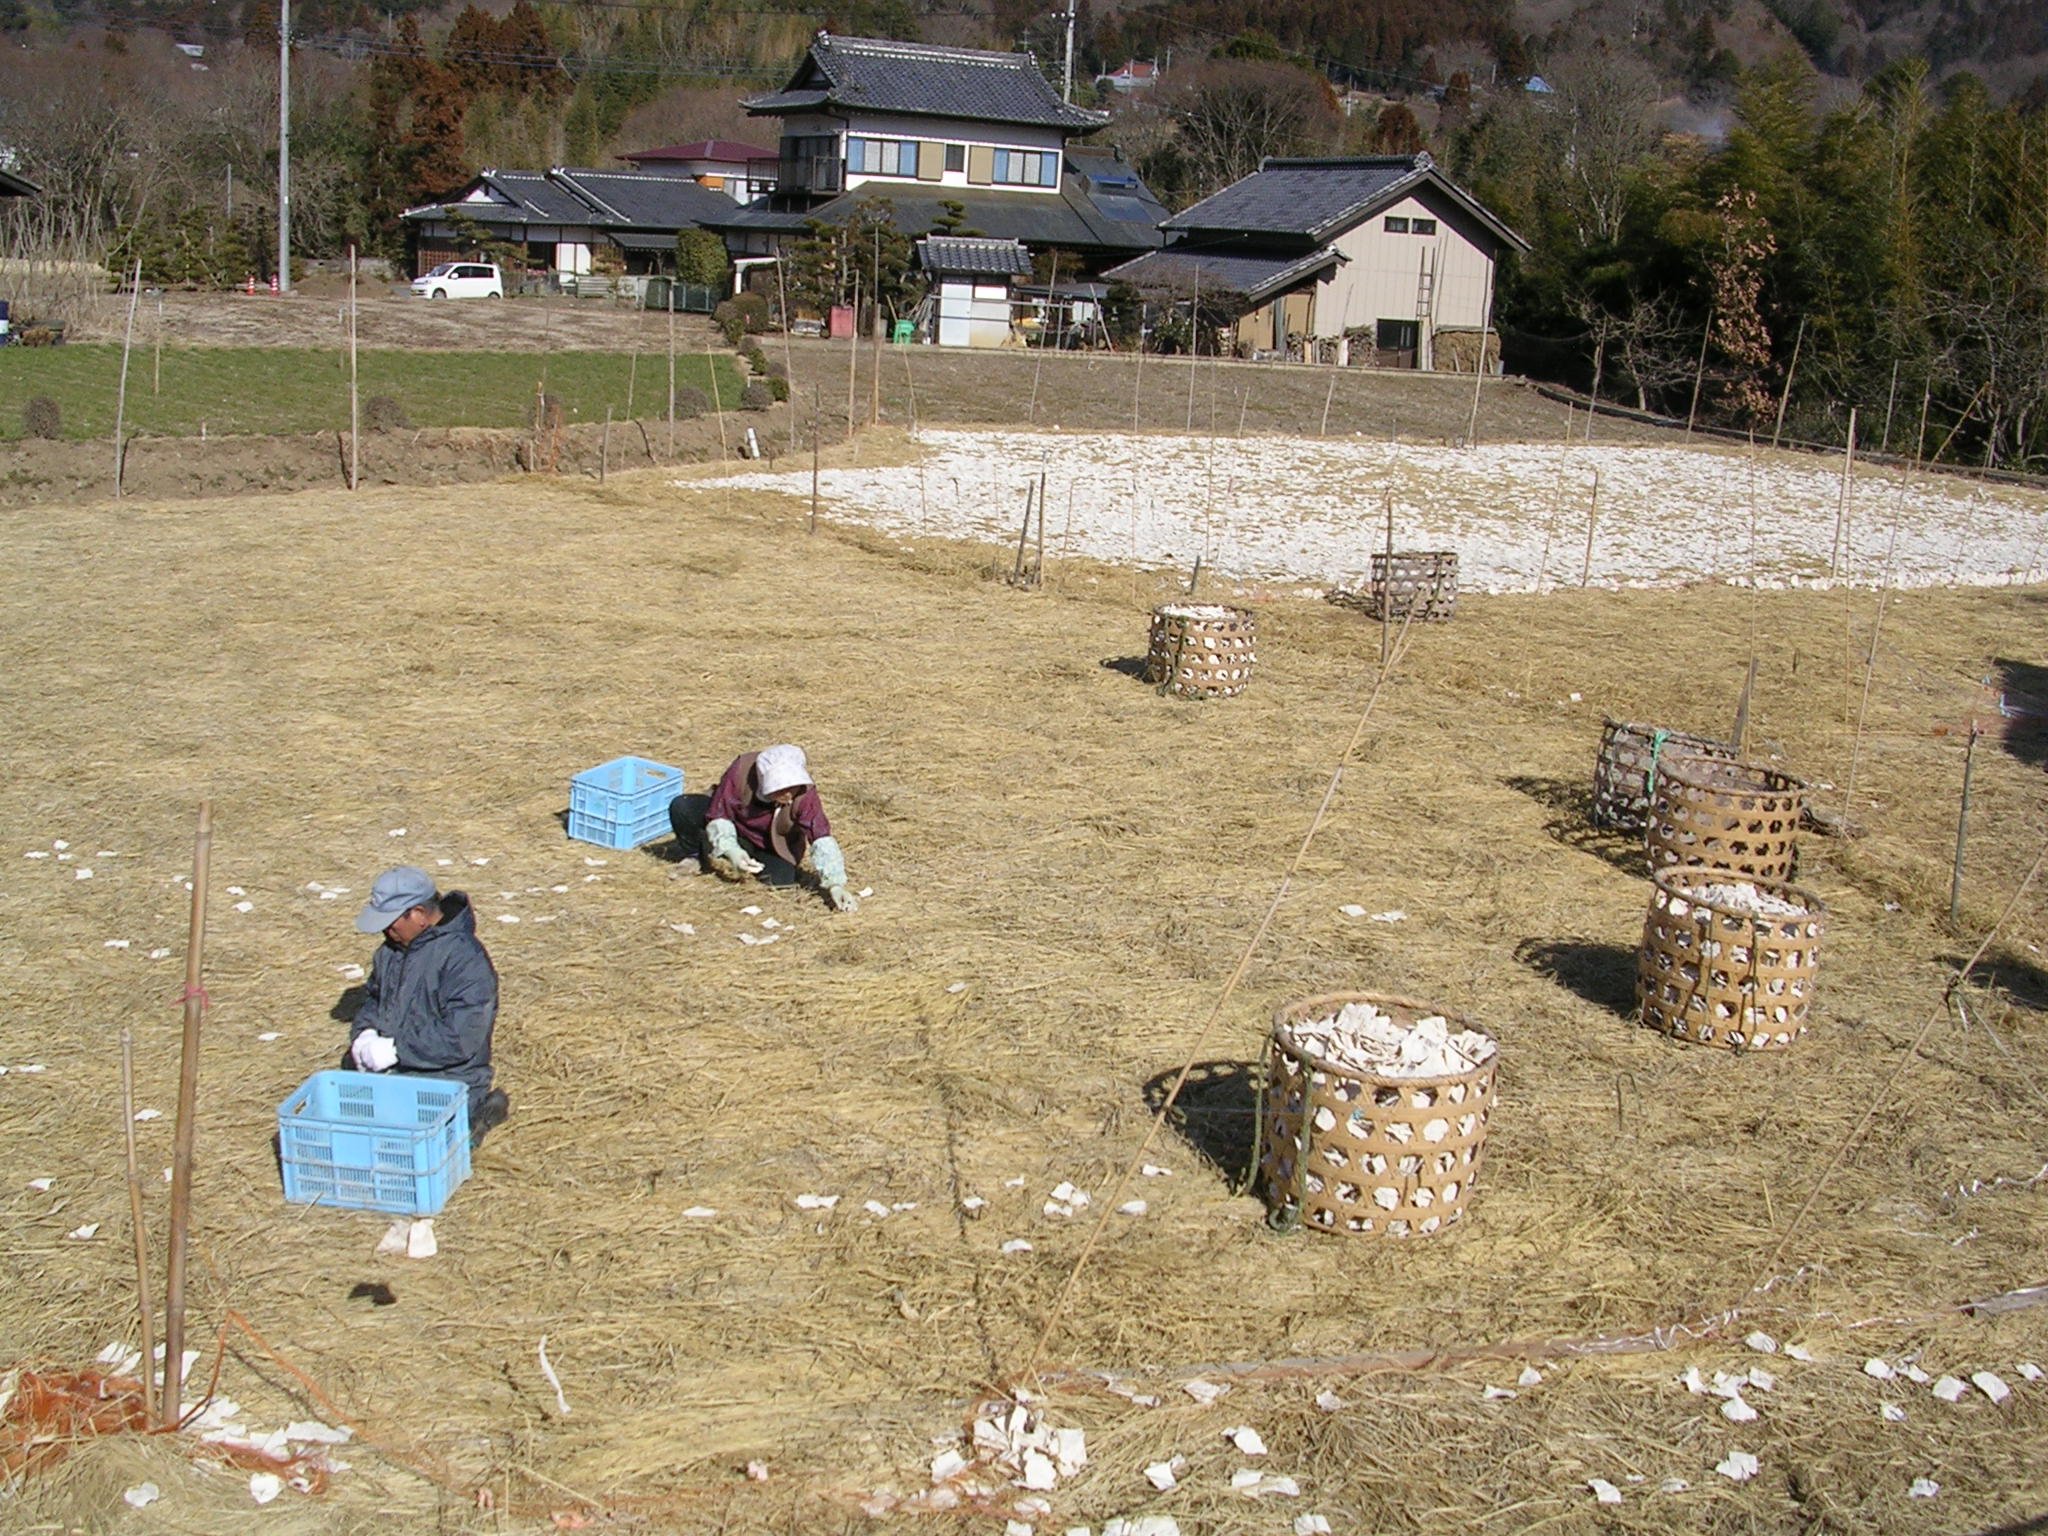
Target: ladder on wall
point(1425, 309)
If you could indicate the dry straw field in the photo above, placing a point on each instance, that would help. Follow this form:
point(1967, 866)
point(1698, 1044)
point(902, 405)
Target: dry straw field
point(1065, 868)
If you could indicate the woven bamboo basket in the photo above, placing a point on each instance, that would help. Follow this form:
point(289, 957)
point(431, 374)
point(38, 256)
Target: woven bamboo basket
point(1732, 814)
point(1367, 1155)
point(1713, 973)
point(1631, 757)
point(1421, 581)
point(1201, 650)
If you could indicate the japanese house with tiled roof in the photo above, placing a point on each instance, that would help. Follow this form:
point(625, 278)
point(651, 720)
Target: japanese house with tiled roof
point(741, 171)
point(1380, 259)
point(564, 217)
point(923, 127)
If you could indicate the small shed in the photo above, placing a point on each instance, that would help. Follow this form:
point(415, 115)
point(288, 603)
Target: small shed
point(972, 278)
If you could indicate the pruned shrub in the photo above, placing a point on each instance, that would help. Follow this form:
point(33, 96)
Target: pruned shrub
point(741, 315)
point(42, 417)
point(757, 396)
point(778, 386)
point(756, 358)
point(383, 413)
point(545, 415)
point(691, 401)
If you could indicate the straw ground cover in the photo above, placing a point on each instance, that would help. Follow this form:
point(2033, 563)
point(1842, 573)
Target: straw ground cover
point(414, 676)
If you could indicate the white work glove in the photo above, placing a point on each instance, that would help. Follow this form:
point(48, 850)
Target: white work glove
point(828, 863)
point(722, 842)
point(374, 1052)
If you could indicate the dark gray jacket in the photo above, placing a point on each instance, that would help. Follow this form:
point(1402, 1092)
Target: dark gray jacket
point(438, 999)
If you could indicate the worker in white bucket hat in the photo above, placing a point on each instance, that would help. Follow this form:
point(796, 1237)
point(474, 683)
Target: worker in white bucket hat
point(765, 819)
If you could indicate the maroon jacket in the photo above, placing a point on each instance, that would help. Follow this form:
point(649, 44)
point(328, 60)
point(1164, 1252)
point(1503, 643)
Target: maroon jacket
point(735, 801)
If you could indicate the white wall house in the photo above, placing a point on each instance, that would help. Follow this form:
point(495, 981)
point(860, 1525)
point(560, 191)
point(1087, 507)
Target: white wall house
point(1366, 260)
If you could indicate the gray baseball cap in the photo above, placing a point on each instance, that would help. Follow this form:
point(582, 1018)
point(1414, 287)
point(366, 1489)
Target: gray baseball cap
point(393, 894)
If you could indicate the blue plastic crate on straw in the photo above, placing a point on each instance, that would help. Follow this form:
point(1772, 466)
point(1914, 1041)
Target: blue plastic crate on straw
point(375, 1141)
point(622, 803)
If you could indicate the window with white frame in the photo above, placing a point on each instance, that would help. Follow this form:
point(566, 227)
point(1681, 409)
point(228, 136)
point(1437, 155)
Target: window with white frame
point(881, 157)
point(1027, 168)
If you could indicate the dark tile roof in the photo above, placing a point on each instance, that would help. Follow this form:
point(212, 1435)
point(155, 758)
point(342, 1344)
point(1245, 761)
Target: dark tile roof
point(1180, 271)
point(1319, 199)
point(700, 149)
point(876, 75)
point(597, 199)
point(647, 199)
point(1069, 218)
point(991, 258)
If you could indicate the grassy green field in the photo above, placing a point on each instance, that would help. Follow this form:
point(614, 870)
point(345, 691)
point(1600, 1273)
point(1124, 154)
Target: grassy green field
point(264, 390)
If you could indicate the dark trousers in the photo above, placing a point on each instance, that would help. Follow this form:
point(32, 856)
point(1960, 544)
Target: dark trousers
point(687, 815)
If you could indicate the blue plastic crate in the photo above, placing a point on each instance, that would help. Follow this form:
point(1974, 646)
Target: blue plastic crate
point(375, 1141)
point(622, 803)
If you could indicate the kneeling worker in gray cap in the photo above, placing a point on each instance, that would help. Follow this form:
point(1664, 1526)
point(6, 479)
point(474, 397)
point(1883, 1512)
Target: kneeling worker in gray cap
point(432, 996)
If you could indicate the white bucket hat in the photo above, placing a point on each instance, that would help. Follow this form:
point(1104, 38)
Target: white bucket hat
point(781, 767)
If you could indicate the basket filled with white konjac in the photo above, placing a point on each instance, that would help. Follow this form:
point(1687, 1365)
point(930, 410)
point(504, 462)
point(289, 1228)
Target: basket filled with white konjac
point(1375, 1112)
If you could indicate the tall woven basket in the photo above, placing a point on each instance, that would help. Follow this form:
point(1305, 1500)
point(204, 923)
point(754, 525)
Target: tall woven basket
point(1423, 582)
point(1732, 814)
point(1201, 650)
point(1367, 1155)
point(1631, 758)
point(1713, 972)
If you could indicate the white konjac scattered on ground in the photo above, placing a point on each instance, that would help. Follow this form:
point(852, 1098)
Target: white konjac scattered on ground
point(1738, 1466)
point(1287, 508)
point(1603, 1490)
point(1991, 1386)
point(1197, 611)
point(1950, 1389)
point(1364, 1039)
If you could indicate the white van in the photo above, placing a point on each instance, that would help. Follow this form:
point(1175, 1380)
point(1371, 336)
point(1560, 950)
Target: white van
point(461, 280)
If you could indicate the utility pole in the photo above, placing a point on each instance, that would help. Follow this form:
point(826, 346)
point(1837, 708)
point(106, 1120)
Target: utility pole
point(284, 146)
point(1067, 75)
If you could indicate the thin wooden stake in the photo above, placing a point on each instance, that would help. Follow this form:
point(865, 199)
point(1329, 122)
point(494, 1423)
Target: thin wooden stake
point(853, 350)
point(1195, 576)
point(1955, 879)
point(1023, 530)
point(1138, 380)
point(1869, 668)
point(718, 409)
point(1890, 399)
point(1479, 366)
point(632, 378)
point(1592, 518)
point(1038, 368)
point(1842, 505)
point(604, 448)
point(1194, 348)
point(788, 357)
point(187, 1129)
point(1038, 579)
point(150, 1413)
point(355, 414)
point(1329, 394)
point(121, 397)
point(1791, 372)
point(817, 408)
point(1699, 374)
point(1387, 582)
point(1740, 735)
point(156, 372)
point(875, 378)
point(672, 372)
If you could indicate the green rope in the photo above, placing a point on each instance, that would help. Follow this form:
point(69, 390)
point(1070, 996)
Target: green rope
point(1658, 736)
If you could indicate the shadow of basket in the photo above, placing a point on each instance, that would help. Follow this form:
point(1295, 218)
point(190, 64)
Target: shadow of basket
point(1570, 804)
point(1215, 1114)
point(1603, 974)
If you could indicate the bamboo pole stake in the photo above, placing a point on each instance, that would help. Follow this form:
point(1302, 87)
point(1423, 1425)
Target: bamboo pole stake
point(1890, 398)
point(1387, 580)
point(817, 407)
point(1023, 529)
point(1194, 348)
point(121, 396)
point(1329, 394)
point(788, 357)
point(718, 409)
point(1592, 518)
point(151, 1416)
point(1479, 363)
point(188, 1105)
point(1138, 380)
point(875, 381)
point(1038, 368)
point(1842, 505)
point(1791, 372)
point(604, 448)
point(1039, 579)
point(1955, 878)
point(632, 377)
point(156, 372)
point(672, 373)
point(1869, 668)
point(853, 350)
point(1699, 373)
point(355, 414)
point(1740, 735)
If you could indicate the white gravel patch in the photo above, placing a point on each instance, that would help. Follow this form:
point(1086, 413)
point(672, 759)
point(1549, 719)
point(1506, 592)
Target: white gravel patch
point(1309, 510)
